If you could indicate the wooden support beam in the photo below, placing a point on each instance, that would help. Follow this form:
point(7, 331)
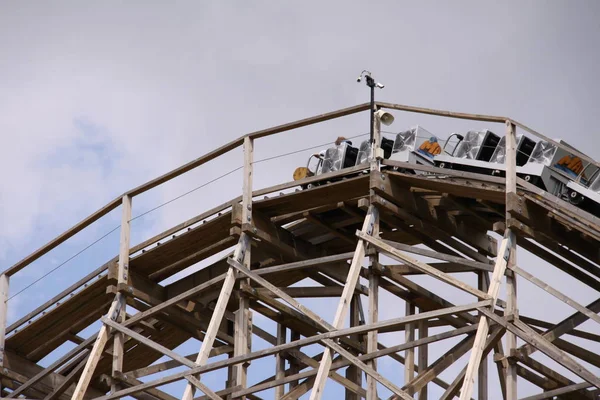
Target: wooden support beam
point(354, 374)
point(217, 317)
point(157, 347)
point(299, 343)
point(372, 339)
point(398, 255)
point(455, 386)
point(483, 329)
point(440, 365)
point(170, 364)
point(559, 295)
point(280, 361)
point(551, 394)
point(511, 310)
point(423, 356)
point(563, 327)
point(211, 395)
point(309, 291)
point(367, 370)
point(409, 354)
point(482, 375)
point(353, 275)
point(70, 378)
point(97, 350)
point(530, 336)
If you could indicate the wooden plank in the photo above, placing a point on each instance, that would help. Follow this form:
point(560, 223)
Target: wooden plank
point(392, 252)
point(532, 337)
point(48, 370)
point(59, 296)
point(442, 113)
point(559, 295)
point(147, 342)
point(562, 327)
point(211, 395)
point(483, 329)
point(441, 256)
point(155, 393)
point(550, 394)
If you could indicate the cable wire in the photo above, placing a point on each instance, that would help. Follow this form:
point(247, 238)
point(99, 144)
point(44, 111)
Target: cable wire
point(64, 262)
point(164, 204)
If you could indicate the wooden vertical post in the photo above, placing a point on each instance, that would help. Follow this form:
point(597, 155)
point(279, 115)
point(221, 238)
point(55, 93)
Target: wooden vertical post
point(294, 364)
point(423, 355)
point(372, 339)
point(511, 281)
point(280, 361)
point(482, 376)
point(352, 372)
point(122, 280)
point(372, 336)
point(242, 329)
point(241, 254)
point(370, 224)
point(506, 253)
point(409, 356)
point(4, 286)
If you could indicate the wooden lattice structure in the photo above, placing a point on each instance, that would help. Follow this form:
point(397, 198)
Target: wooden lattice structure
point(324, 233)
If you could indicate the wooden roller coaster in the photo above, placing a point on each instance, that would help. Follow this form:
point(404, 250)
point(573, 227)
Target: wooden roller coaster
point(337, 235)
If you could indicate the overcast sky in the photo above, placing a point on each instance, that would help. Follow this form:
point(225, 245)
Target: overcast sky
point(98, 97)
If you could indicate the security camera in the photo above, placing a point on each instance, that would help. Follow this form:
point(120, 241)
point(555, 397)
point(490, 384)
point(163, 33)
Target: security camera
point(359, 78)
point(380, 85)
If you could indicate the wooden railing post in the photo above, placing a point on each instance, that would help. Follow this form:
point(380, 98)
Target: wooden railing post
point(122, 281)
point(242, 339)
point(4, 281)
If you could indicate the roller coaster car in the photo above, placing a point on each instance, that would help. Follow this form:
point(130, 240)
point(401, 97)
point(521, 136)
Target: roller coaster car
point(561, 173)
point(415, 146)
point(471, 153)
point(333, 159)
point(345, 155)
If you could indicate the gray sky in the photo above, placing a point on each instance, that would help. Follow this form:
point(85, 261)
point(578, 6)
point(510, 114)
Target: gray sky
point(96, 98)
